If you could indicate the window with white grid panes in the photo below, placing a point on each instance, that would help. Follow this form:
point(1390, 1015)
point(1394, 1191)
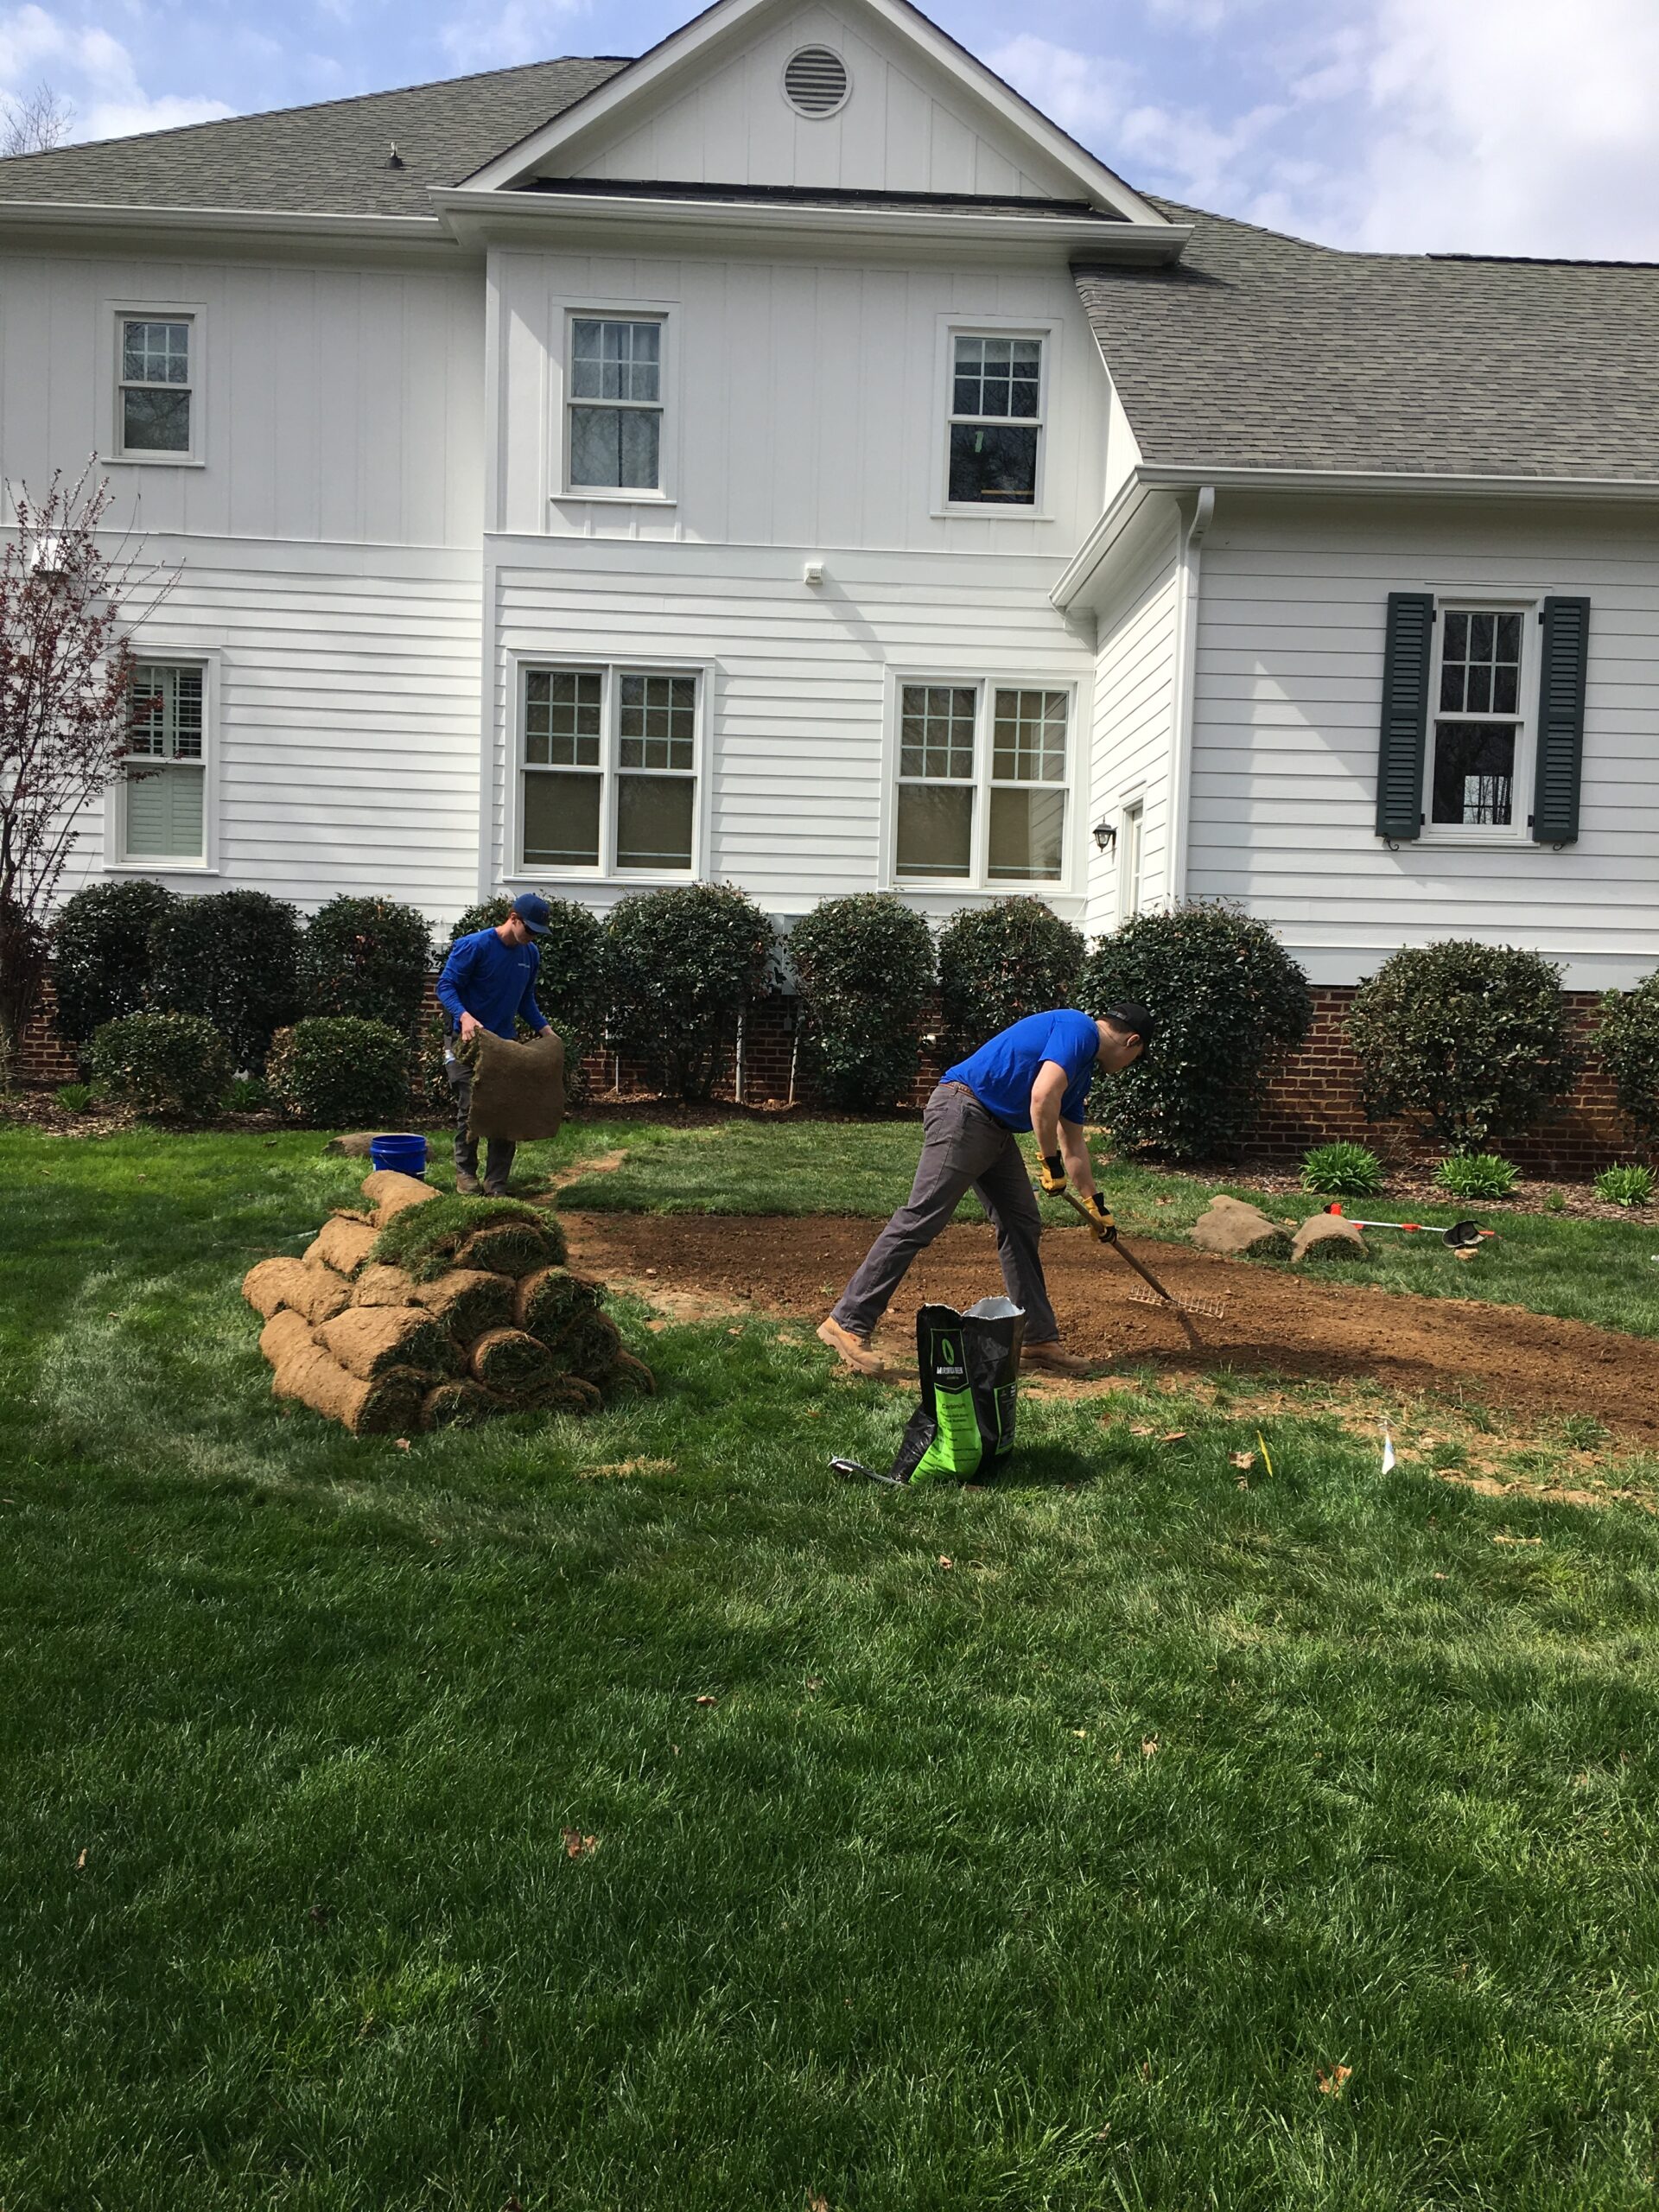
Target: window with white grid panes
point(163, 795)
point(996, 410)
point(609, 770)
point(616, 404)
point(156, 386)
point(981, 792)
point(1478, 725)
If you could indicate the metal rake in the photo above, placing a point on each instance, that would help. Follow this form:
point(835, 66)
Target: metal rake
point(1209, 1309)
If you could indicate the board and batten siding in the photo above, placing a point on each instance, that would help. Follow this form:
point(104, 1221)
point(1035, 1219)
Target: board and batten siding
point(797, 765)
point(338, 405)
point(345, 754)
point(1287, 700)
point(805, 402)
point(1133, 738)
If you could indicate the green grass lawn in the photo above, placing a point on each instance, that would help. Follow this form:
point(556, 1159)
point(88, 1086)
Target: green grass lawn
point(1042, 1846)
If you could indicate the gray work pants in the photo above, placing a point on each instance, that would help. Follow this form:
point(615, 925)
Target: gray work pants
point(499, 1154)
point(961, 1146)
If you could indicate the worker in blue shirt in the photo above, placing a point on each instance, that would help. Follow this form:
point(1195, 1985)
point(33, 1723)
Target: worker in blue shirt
point(489, 983)
point(1034, 1075)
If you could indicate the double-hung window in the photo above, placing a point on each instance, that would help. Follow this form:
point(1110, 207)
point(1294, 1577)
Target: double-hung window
point(996, 421)
point(1478, 728)
point(1131, 859)
point(609, 776)
point(983, 784)
point(163, 795)
point(156, 394)
point(616, 404)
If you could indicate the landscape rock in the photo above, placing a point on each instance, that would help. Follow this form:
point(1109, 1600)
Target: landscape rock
point(355, 1147)
point(1230, 1228)
point(1327, 1236)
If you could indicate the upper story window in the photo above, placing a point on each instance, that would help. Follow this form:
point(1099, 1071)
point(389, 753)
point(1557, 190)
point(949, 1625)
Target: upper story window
point(608, 783)
point(163, 809)
point(616, 404)
point(983, 784)
point(156, 398)
point(996, 419)
point(1477, 731)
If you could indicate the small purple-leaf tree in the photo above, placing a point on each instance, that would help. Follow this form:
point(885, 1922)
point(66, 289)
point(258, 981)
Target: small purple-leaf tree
point(68, 607)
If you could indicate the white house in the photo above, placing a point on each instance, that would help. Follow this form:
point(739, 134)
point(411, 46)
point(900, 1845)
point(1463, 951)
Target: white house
point(790, 458)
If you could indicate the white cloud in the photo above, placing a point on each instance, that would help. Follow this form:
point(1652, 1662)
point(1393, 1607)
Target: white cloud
point(95, 72)
point(497, 36)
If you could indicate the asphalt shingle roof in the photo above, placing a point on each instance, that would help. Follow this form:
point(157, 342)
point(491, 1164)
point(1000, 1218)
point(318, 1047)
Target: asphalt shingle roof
point(1260, 351)
point(332, 159)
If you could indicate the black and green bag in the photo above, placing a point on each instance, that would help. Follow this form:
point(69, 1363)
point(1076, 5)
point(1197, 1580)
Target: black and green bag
point(970, 1370)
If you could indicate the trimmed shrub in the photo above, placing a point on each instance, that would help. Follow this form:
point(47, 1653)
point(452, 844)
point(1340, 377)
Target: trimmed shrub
point(865, 970)
point(335, 1069)
point(174, 1064)
point(1467, 1041)
point(1342, 1171)
point(570, 984)
point(1227, 998)
point(1000, 963)
point(1615, 1187)
point(101, 953)
point(233, 957)
point(1627, 1037)
point(680, 964)
point(367, 957)
point(488, 914)
point(1476, 1175)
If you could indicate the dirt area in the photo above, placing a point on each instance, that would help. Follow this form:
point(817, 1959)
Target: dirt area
point(1310, 1327)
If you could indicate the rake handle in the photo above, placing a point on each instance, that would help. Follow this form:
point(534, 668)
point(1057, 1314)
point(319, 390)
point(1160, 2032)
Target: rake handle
point(1123, 1253)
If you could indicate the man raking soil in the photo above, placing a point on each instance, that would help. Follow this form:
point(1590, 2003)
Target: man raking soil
point(1035, 1075)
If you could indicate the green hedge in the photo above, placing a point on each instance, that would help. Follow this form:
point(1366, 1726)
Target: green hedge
point(681, 966)
point(865, 966)
point(1000, 963)
point(1627, 1037)
point(176, 1066)
point(233, 957)
point(367, 957)
point(339, 1071)
point(101, 953)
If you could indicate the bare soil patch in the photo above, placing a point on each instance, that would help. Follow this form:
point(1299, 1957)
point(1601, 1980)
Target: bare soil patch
point(1311, 1327)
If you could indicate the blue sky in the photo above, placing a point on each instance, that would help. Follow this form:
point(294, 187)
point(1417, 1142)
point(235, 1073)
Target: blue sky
point(1490, 125)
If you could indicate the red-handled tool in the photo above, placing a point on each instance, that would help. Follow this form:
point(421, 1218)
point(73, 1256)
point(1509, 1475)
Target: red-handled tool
point(1461, 1236)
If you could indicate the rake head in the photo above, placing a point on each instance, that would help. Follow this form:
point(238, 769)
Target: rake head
point(1211, 1309)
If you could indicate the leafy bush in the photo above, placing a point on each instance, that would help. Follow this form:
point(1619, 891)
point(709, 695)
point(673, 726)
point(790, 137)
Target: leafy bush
point(1343, 1171)
point(174, 1064)
point(369, 957)
point(865, 970)
point(570, 984)
point(1627, 1037)
point(247, 1095)
point(101, 953)
point(1000, 963)
point(1226, 997)
point(1476, 1175)
point(335, 1069)
point(681, 965)
point(1615, 1187)
point(74, 1097)
point(1468, 1041)
point(234, 958)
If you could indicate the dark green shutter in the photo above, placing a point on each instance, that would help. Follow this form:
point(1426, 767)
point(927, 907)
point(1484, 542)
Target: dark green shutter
point(1405, 714)
point(1560, 722)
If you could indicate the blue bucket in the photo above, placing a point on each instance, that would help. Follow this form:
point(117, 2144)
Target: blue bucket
point(405, 1155)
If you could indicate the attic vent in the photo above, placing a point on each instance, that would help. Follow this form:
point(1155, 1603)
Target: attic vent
point(814, 81)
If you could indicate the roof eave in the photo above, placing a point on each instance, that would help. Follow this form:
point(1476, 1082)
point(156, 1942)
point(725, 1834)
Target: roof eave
point(1179, 476)
point(57, 216)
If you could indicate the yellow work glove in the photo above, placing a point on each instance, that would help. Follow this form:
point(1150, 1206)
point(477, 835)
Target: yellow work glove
point(1053, 1173)
point(1101, 1218)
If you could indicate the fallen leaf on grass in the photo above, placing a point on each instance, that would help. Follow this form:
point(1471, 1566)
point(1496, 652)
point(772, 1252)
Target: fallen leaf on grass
point(818, 2204)
point(1079, 1731)
point(946, 1562)
point(622, 1468)
point(706, 1700)
point(814, 1683)
point(1438, 1577)
point(1330, 2083)
point(578, 1846)
point(1173, 1436)
point(80, 1862)
point(1148, 1746)
point(1141, 1428)
point(733, 1333)
point(656, 1327)
point(403, 1443)
point(1243, 1459)
point(1518, 1539)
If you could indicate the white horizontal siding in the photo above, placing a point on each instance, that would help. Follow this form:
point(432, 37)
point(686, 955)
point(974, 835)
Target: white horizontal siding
point(796, 724)
point(1133, 715)
point(1288, 698)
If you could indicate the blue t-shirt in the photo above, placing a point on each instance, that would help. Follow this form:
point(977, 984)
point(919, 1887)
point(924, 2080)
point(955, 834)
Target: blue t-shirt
point(492, 982)
point(1001, 1074)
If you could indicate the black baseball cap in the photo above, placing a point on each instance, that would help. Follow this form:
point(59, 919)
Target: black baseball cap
point(1129, 1014)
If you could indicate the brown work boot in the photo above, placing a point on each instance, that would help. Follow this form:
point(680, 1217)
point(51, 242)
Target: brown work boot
point(467, 1186)
point(851, 1349)
point(1047, 1358)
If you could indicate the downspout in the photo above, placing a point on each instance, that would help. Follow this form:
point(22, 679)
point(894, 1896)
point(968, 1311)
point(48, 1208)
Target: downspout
point(1188, 557)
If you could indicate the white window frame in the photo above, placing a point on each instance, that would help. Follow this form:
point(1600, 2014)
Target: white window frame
point(119, 312)
point(668, 408)
point(1131, 849)
point(609, 668)
point(149, 653)
point(951, 327)
point(1528, 605)
point(979, 878)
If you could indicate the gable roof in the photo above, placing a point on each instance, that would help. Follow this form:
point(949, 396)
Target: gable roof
point(1260, 351)
point(331, 158)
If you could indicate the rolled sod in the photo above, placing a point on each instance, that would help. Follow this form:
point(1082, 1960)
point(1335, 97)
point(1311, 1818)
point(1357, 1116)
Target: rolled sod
point(624, 1377)
point(342, 1244)
point(456, 1405)
point(368, 1340)
point(509, 1361)
point(379, 1285)
point(495, 1236)
point(560, 1394)
point(389, 1193)
point(314, 1291)
point(552, 1299)
point(589, 1344)
point(301, 1370)
point(467, 1300)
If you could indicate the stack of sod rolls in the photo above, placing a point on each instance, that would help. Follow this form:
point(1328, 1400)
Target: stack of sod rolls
point(433, 1310)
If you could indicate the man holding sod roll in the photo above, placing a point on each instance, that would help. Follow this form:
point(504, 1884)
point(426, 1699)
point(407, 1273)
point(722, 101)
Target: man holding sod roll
point(1034, 1075)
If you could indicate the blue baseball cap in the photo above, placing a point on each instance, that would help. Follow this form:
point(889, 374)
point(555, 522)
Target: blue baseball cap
point(533, 912)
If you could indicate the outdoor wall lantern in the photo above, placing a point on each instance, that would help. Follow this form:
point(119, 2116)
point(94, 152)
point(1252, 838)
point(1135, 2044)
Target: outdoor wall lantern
point(1105, 836)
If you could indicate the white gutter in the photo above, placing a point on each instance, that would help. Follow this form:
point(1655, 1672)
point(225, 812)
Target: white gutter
point(1179, 476)
point(1131, 496)
point(1183, 685)
point(276, 222)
